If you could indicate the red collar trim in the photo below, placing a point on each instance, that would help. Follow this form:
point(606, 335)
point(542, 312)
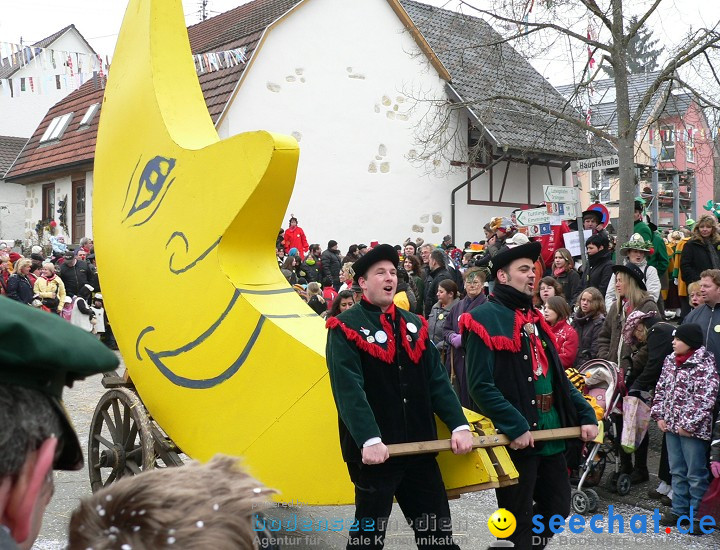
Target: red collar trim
point(500, 342)
point(390, 310)
point(414, 347)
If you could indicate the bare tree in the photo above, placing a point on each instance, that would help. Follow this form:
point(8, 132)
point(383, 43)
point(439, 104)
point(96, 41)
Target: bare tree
point(560, 21)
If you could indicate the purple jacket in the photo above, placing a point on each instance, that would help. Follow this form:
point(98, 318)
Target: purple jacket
point(685, 395)
point(456, 356)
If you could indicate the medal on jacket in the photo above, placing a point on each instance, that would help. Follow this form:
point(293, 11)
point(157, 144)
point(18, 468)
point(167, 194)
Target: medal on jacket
point(529, 329)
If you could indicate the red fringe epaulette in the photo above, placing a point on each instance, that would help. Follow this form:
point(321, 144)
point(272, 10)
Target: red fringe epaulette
point(420, 342)
point(387, 355)
point(495, 343)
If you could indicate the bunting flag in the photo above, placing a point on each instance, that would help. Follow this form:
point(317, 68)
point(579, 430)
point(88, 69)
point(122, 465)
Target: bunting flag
point(51, 69)
point(591, 35)
point(216, 61)
point(66, 70)
point(685, 135)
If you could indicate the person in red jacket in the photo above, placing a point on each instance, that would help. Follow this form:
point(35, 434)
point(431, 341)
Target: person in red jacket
point(550, 243)
point(556, 313)
point(295, 238)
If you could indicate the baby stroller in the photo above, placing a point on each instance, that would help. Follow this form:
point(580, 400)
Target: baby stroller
point(605, 387)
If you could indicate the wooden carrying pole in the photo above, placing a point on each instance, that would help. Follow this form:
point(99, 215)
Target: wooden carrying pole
point(479, 442)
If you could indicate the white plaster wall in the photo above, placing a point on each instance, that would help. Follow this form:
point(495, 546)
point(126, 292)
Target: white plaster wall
point(33, 204)
point(471, 218)
point(12, 211)
point(89, 188)
point(344, 93)
point(22, 113)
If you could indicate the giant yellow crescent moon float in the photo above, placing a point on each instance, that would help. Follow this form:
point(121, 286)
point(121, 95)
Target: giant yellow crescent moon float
point(225, 356)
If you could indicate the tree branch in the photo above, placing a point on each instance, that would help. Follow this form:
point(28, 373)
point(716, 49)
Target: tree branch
point(558, 114)
point(683, 57)
point(540, 26)
point(597, 12)
point(632, 31)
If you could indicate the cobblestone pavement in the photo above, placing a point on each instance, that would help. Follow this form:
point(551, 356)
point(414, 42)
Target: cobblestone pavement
point(470, 513)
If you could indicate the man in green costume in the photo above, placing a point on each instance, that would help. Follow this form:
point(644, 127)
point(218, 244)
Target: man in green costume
point(40, 354)
point(388, 383)
point(516, 378)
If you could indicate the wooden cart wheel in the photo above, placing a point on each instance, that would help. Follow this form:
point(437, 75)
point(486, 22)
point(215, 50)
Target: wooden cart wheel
point(121, 440)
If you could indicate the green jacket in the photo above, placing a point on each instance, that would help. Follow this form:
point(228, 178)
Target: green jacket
point(659, 259)
point(500, 376)
point(387, 378)
point(644, 230)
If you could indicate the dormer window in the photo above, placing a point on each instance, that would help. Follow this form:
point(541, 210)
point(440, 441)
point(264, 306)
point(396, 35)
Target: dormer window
point(89, 115)
point(57, 127)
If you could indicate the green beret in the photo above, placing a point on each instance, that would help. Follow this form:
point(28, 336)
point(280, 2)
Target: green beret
point(43, 352)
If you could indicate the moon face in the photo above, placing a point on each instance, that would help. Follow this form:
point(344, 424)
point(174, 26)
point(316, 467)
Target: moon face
point(223, 353)
point(153, 184)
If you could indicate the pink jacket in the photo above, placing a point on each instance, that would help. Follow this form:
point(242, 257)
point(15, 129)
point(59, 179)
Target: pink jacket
point(685, 395)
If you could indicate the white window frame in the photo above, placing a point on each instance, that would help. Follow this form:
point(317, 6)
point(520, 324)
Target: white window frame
point(667, 147)
point(56, 128)
point(690, 144)
point(89, 115)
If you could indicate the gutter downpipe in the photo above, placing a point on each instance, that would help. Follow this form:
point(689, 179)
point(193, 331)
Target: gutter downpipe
point(463, 184)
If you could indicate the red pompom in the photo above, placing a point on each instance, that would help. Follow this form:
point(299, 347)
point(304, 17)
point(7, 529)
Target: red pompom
point(53, 223)
point(652, 251)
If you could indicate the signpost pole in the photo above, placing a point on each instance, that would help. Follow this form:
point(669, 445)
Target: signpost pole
point(580, 226)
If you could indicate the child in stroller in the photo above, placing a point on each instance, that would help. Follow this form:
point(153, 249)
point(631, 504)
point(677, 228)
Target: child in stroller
point(602, 384)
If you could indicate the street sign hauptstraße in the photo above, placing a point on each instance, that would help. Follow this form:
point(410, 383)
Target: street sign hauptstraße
point(558, 193)
point(597, 163)
point(536, 216)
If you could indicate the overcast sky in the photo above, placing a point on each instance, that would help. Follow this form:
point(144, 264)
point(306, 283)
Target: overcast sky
point(99, 21)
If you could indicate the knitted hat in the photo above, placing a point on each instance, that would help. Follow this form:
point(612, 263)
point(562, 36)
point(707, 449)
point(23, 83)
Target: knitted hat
point(690, 334)
point(632, 322)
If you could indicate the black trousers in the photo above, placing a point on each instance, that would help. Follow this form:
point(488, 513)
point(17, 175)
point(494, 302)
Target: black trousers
point(417, 485)
point(664, 467)
point(543, 488)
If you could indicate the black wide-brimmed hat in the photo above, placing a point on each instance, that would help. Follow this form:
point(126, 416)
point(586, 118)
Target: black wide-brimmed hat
point(595, 213)
point(377, 254)
point(634, 272)
point(530, 251)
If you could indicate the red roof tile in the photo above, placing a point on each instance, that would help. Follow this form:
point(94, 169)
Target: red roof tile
point(76, 146)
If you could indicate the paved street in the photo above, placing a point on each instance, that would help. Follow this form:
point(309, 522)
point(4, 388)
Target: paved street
point(470, 513)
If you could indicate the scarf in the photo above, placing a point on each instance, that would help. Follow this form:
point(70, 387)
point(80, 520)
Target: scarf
point(559, 272)
point(511, 298)
point(680, 359)
point(595, 259)
point(522, 304)
point(713, 253)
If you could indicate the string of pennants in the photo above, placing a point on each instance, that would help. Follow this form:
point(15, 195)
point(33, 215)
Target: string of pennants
point(215, 61)
point(66, 70)
point(54, 69)
point(689, 135)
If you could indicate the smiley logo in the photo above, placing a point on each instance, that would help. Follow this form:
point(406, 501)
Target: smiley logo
point(502, 523)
